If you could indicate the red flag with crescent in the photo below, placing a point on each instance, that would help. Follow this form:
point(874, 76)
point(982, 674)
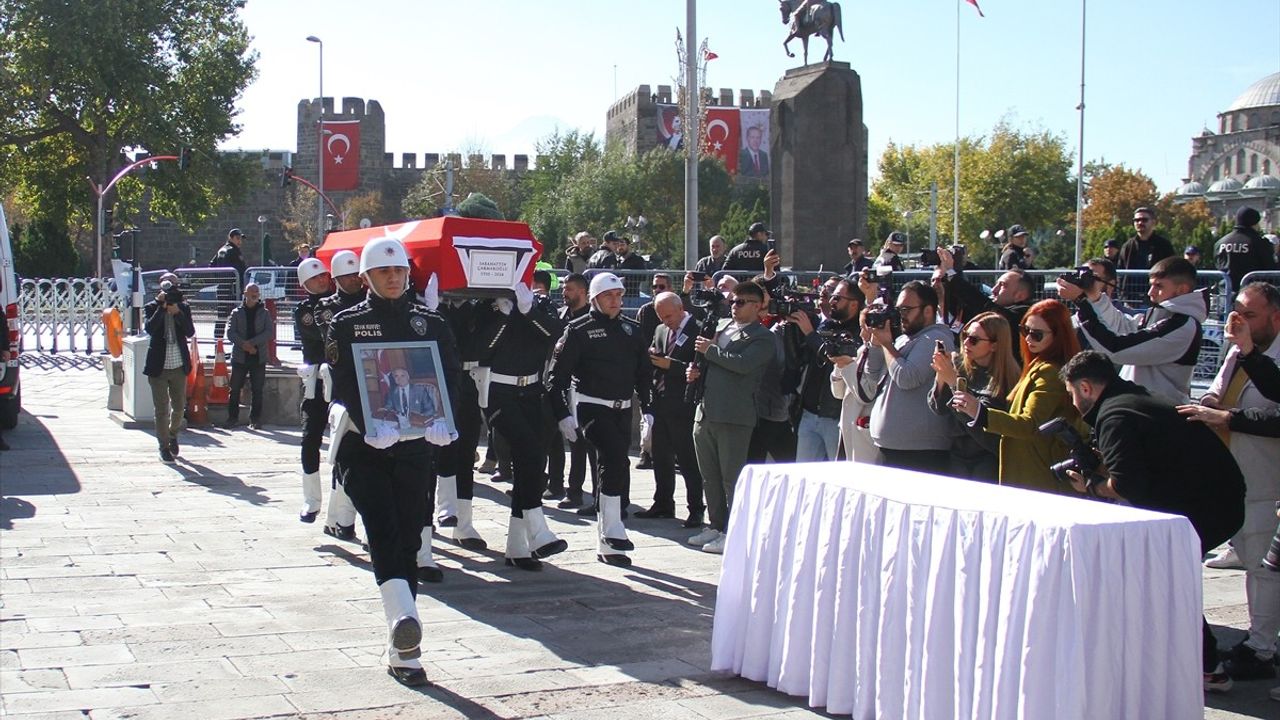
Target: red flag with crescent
point(341, 144)
point(974, 3)
point(723, 135)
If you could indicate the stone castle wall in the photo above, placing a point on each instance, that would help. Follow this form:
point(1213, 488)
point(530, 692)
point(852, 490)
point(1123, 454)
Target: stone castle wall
point(632, 121)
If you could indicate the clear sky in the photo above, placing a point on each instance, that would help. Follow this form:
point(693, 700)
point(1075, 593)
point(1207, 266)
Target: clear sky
point(499, 74)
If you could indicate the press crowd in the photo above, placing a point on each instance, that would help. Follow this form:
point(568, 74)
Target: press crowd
point(733, 364)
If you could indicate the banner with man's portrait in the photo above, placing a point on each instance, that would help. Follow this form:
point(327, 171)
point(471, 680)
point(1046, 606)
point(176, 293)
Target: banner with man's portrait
point(740, 137)
point(402, 387)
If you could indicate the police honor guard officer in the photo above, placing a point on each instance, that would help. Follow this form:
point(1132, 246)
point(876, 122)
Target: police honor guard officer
point(605, 353)
point(340, 520)
point(455, 481)
point(517, 337)
point(385, 476)
point(308, 324)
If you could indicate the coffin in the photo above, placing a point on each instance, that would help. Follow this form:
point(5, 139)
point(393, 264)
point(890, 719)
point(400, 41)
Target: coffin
point(473, 257)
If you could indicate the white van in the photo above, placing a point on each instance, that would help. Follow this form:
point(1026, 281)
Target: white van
point(10, 391)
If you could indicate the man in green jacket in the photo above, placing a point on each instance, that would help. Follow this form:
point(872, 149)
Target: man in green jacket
point(735, 360)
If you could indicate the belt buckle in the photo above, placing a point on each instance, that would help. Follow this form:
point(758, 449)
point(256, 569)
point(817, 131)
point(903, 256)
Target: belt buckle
point(522, 381)
point(617, 404)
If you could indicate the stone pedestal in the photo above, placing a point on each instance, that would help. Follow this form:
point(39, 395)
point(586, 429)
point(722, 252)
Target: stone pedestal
point(818, 146)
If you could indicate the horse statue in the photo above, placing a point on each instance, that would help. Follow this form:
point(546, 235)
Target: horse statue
point(810, 17)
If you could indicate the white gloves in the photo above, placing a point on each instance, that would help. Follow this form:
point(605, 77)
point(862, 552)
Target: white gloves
point(326, 374)
point(438, 433)
point(569, 429)
point(431, 296)
point(308, 374)
point(305, 370)
point(381, 435)
point(524, 298)
point(502, 305)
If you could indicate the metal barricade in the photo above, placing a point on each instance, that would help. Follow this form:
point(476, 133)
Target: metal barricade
point(281, 294)
point(212, 293)
point(65, 314)
point(1267, 276)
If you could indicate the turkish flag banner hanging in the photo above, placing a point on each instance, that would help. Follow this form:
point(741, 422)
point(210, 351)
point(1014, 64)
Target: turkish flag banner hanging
point(341, 143)
point(723, 133)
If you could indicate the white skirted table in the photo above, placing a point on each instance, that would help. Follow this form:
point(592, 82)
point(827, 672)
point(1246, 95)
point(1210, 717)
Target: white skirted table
point(882, 593)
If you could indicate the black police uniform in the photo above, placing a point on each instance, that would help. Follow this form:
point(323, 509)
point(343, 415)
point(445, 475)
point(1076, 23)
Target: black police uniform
point(515, 348)
point(610, 361)
point(747, 257)
point(388, 487)
point(309, 321)
point(228, 256)
point(457, 459)
point(581, 453)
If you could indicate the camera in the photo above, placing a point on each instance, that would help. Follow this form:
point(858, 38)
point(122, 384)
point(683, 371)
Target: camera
point(697, 276)
point(839, 342)
point(705, 298)
point(170, 293)
point(878, 315)
point(1082, 459)
point(788, 301)
point(1082, 278)
point(929, 256)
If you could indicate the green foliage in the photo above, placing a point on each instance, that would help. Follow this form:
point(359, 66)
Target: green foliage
point(1009, 176)
point(85, 81)
point(479, 205)
point(750, 204)
point(42, 250)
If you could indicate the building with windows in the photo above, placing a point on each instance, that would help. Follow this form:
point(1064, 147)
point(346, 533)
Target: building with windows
point(1240, 163)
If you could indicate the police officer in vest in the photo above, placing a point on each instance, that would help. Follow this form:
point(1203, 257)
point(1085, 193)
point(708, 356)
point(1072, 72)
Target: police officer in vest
point(455, 472)
point(517, 337)
point(344, 267)
point(748, 257)
point(385, 475)
point(606, 354)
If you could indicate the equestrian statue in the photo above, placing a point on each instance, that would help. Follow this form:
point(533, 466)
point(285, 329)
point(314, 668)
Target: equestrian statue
point(810, 17)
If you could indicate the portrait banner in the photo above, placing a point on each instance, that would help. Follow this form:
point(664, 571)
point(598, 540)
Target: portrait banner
point(402, 387)
point(753, 158)
point(670, 132)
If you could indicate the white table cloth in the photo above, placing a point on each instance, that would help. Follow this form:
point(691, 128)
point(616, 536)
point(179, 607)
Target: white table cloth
point(883, 593)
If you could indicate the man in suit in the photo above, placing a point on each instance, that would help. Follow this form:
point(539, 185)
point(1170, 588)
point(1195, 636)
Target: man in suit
point(407, 398)
point(671, 353)
point(753, 161)
point(735, 359)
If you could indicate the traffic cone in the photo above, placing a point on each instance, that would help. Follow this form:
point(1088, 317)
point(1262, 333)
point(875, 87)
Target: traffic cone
point(196, 366)
point(197, 403)
point(220, 391)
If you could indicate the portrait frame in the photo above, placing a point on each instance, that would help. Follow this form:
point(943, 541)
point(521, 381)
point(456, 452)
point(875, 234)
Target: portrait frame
point(402, 385)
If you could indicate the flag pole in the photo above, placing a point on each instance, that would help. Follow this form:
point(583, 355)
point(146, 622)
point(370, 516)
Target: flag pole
point(691, 132)
point(1080, 148)
point(955, 198)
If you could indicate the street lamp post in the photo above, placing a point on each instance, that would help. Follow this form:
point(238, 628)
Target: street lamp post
point(320, 146)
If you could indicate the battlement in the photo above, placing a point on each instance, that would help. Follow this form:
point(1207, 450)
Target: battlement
point(352, 109)
point(409, 161)
point(644, 98)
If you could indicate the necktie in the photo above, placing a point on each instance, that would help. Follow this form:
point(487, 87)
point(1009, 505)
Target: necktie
point(755, 158)
point(404, 401)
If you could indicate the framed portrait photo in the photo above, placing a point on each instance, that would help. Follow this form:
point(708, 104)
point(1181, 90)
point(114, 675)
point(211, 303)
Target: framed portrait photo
point(402, 386)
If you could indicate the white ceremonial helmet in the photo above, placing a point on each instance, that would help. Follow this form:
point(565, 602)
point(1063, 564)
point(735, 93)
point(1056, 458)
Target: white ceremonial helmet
point(310, 268)
point(383, 252)
point(604, 282)
point(345, 262)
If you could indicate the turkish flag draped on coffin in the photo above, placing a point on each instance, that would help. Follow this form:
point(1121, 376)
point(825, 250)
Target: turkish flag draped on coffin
point(341, 143)
point(723, 134)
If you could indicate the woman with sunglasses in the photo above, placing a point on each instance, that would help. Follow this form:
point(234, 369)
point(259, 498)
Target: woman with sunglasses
point(1048, 341)
point(989, 369)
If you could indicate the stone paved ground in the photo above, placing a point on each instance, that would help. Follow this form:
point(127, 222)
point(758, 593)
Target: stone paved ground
point(135, 590)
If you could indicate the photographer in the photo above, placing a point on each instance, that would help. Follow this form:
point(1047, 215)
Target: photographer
point(1157, 461)
point(1241, 405)
point(897, 374)
point(985, 366)
point(1158, 350)
point(169, 326)
point(818, 435)
point(1010, 296)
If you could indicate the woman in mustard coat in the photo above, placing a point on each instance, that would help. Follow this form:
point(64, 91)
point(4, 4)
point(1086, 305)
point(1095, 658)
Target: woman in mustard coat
point(1048, 341)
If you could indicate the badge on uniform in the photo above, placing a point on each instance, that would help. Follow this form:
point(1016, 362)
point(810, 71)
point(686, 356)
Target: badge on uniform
point(326, 316)
point(308, 319)
point(626, 328)
point(331, 353)
point(419, 325)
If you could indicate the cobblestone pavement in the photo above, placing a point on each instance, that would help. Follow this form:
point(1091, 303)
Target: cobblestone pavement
point(131, 589)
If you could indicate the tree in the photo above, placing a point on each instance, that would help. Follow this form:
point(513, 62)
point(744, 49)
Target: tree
point(559, 157)
point(427, 197)
point(1009, 176)
point(1113, 193)
point(85, 82)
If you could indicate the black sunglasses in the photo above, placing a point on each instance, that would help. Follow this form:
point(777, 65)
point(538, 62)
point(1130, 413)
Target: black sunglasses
point(1033, 334)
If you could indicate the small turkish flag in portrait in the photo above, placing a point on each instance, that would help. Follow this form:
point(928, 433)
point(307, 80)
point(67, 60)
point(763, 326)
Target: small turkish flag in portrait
point(341, 143)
